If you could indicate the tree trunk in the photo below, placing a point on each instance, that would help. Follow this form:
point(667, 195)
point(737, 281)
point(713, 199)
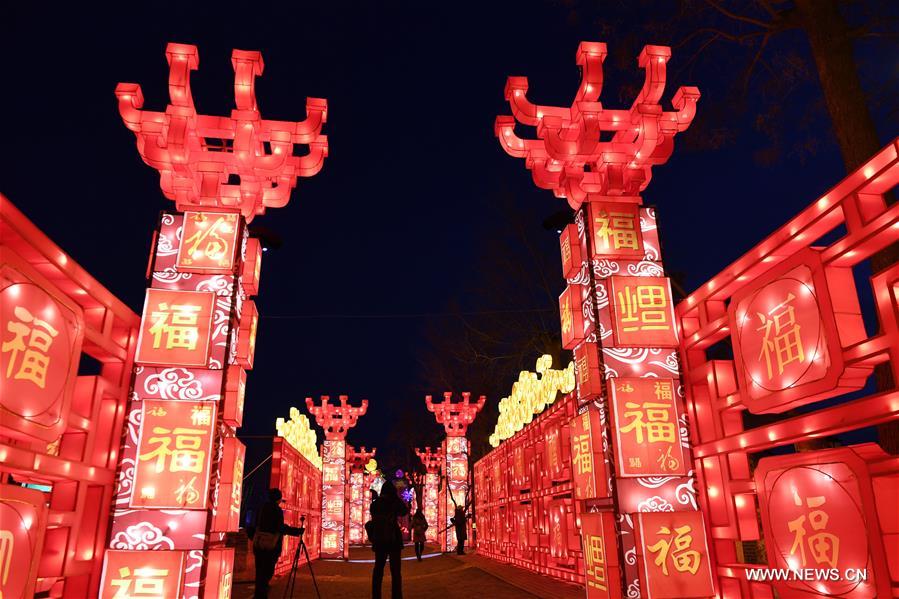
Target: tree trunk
point(831, 44)
point(853, 126)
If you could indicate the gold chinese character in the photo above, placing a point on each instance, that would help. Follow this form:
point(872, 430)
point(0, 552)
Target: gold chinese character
point(148, 583)
point(7, 546)
point(583, 370)
point(596, 560)
point(330, 474)
point(177, 324)
point(582, 458)
point(635, 462)
point(214, 247)
point(825, 546)
point(187, 455)
point(617, 230)
point(186, 493)
point(201, 416)
point(683, 557)
point(663, 390)
point(644, 307)
point(658, 424)
point(782, 340)
point(567, 318)
point(666, 461)
point(157, 411)
point(237, 484)
point(566, 251)
point(35, 359)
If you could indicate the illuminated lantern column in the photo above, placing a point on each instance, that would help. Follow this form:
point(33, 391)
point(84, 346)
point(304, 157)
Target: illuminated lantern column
point(181, 467)
point(356, 462)
point(455, 418)
point(432, 461)
point(336, 420)
point(641, 532)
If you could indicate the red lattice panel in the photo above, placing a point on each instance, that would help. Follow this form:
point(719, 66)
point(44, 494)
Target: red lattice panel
point(719, 391)
point(79, 464)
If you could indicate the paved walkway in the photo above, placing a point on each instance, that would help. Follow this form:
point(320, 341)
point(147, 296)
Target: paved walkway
point(440, 576)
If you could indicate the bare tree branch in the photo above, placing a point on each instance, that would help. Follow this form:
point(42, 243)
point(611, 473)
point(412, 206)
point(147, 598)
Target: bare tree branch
point(755, 60)
point(737, 17)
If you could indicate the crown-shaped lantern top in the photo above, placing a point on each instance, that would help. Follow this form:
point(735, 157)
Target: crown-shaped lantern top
point(571, 156)
point(431, 459)
point(357, 458)
point(455, 417)
point(240, 163)
point(337, 418)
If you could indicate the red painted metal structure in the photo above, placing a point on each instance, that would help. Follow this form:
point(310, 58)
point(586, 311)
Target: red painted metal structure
point(301, 485)
point(455, 418)
point(59, 425)
point(336, 419)
point(829, 508)
point(628, 444)
point(181, 468)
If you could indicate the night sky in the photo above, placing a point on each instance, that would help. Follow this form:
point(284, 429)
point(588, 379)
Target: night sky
point(393, 236)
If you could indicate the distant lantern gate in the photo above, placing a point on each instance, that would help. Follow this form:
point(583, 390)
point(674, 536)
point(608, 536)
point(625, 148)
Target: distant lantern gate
point(454, 457)
point(660, 512)
point(181, 467)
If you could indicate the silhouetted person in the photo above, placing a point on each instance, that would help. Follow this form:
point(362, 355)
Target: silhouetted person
point(387, 541)
point(419, 526)
point(268, 535)
point(460, 522)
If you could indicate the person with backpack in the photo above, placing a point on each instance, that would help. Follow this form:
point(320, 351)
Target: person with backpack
point(386, 539)
point(419, 526)
point(268, 535)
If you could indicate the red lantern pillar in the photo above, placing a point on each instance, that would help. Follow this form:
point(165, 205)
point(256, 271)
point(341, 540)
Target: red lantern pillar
point(455, 418)
point(181, 466)
point(630, 452)
point(357, 492)
point(432, 461)
point(336, 420)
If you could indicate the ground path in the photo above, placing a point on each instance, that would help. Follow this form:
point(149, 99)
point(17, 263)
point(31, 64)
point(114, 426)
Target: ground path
point(440, 576)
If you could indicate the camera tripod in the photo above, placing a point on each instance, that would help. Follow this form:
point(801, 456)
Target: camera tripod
point(292, 577)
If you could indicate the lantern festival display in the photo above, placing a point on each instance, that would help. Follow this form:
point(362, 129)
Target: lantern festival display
point(336, 419)
point(297, 472)
point(181, 468)
point(433, 461)
point(790, 311)
point(359, 498)
point(60, 426)
point(629, 447)
point(530, 395)
point(525, 499)
point(455, 418)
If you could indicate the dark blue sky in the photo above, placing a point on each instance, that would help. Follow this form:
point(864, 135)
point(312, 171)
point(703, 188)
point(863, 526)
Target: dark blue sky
point(396, 226)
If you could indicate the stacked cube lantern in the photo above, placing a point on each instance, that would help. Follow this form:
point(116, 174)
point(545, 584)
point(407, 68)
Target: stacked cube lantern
point(181, 466)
